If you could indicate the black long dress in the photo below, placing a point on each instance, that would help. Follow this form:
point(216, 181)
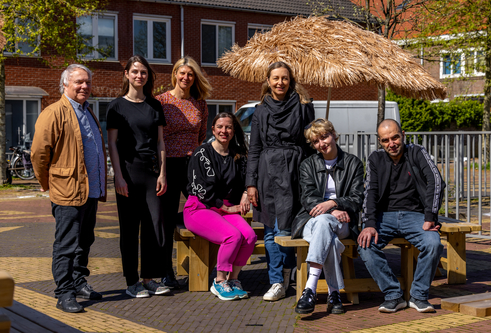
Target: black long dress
point(277, 147)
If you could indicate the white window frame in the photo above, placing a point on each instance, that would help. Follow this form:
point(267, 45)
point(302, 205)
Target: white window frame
point(463, 60)
point(216, 24)
point(475, 72)
point(95, 102)
point(24, 110)
point(255, 26)
point(16, 47)
point(219, 102)
point(151, 19)
point(95, 37)
point(452, 69)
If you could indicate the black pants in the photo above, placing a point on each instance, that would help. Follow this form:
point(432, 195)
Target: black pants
point(142, 208)
point(177, 180)
point(73, 237)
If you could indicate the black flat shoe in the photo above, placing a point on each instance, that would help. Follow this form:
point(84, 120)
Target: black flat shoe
point(306, 303)
point(334, 304)
point(69, 305)
point(88, 293)
point(170, 281)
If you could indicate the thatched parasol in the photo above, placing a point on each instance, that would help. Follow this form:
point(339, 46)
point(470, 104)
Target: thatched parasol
point(331, 54)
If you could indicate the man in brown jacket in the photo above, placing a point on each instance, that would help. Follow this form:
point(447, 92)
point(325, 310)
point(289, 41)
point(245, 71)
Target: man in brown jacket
point(69, 159)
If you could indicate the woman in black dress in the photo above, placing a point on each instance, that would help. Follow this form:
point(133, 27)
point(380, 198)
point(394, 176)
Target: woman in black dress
point(277, 147)
point(135, 126)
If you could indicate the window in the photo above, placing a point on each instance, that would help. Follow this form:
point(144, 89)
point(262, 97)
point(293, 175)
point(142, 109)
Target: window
point(22, 47)
point(20, 117)
point(469, 62)
point(216, 38)
point(151, 38)
point(99, 32)
point(451, 65)
point(253, 28)
point(214, 108)
point(99, 107)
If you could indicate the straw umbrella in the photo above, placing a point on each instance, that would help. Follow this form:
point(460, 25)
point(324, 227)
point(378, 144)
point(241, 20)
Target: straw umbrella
point(331, 54)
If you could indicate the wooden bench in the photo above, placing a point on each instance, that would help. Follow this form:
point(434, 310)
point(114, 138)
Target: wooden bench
point(6, 298)
point(454, 230)
point(455, 264)
point(196, 257)
point(352, 285)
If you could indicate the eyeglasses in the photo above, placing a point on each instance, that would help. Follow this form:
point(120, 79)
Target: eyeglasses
point(320, 120)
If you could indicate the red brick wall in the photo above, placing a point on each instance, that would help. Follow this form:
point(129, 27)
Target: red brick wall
point(108, 74)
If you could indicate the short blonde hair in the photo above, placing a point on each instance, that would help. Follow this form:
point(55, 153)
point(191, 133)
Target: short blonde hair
point(317, 128)
point(201, 88)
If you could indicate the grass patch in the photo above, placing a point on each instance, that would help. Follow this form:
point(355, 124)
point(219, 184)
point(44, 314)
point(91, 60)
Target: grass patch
point(475, 165)
point(15, 187)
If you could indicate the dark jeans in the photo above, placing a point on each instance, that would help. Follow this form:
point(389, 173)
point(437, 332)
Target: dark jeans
point(141, 209)
point(410, 226)
point(177, 181)
point(73, 237)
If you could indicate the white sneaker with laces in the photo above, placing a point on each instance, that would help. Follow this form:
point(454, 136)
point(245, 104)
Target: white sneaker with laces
point(276, 292)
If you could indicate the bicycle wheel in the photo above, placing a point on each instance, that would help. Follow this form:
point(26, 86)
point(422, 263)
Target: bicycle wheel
point(21, 172)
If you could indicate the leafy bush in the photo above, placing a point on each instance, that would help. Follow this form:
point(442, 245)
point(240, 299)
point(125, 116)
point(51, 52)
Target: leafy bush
point(421, 115)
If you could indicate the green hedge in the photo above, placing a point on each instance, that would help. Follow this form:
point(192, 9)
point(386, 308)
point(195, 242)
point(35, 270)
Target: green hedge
point(421, 115)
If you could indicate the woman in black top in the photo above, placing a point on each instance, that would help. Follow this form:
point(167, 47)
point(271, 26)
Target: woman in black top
point(216, 175)
point(277, 147)
point(135, 123)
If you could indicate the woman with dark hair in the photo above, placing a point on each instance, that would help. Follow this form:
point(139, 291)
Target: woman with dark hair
point(186, 114)
point(217, 197)
point(135, 127)
point(277, 147)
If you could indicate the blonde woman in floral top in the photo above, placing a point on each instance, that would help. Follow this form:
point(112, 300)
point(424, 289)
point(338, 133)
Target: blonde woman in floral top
point(186, 114)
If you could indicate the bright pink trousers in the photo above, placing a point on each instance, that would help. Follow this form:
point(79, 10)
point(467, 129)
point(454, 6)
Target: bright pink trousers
point(234, 235)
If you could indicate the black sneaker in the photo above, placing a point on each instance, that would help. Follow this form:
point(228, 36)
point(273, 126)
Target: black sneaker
point(306, 303)
point(393, 305)
point(334, 304)
point(170, 281)
point(421, 305)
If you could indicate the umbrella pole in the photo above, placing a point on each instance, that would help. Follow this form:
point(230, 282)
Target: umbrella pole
point(328, 102)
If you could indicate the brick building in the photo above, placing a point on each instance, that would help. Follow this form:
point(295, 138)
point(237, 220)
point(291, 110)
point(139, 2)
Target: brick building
point(162, 31)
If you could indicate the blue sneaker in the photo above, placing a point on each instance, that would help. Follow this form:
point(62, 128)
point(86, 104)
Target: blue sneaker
point(237, 287)
point(223, 291)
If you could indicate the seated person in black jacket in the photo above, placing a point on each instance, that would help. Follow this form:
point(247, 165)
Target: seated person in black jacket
point(331, 185)
point(403, 193)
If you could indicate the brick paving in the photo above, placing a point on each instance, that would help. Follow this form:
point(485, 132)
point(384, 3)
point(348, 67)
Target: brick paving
point(26, 237)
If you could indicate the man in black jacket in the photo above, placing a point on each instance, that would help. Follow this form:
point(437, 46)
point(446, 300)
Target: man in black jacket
point(403, 193)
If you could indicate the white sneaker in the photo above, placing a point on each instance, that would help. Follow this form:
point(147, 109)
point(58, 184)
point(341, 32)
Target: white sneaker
point(276, 292)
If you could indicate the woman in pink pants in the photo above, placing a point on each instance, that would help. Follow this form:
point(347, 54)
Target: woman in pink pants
point(217, 196)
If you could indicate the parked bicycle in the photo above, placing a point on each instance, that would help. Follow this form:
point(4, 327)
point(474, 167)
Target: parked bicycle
point(20, 164)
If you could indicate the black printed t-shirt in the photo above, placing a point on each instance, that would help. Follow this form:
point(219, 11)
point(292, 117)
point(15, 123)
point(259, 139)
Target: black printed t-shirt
point(137, 125)
point(403, 194)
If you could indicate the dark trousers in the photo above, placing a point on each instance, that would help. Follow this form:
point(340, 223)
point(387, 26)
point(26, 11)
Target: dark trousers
point(177, 181)
point(141, 209)
point(73, 237)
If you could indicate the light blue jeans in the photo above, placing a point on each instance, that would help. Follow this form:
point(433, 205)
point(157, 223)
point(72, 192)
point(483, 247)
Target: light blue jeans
point(410, 226)
point(323, 234)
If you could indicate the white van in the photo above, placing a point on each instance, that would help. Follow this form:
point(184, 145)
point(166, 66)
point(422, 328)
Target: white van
point(347, 116)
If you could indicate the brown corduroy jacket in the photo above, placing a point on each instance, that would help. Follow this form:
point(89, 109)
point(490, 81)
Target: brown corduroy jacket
point(57, 155)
